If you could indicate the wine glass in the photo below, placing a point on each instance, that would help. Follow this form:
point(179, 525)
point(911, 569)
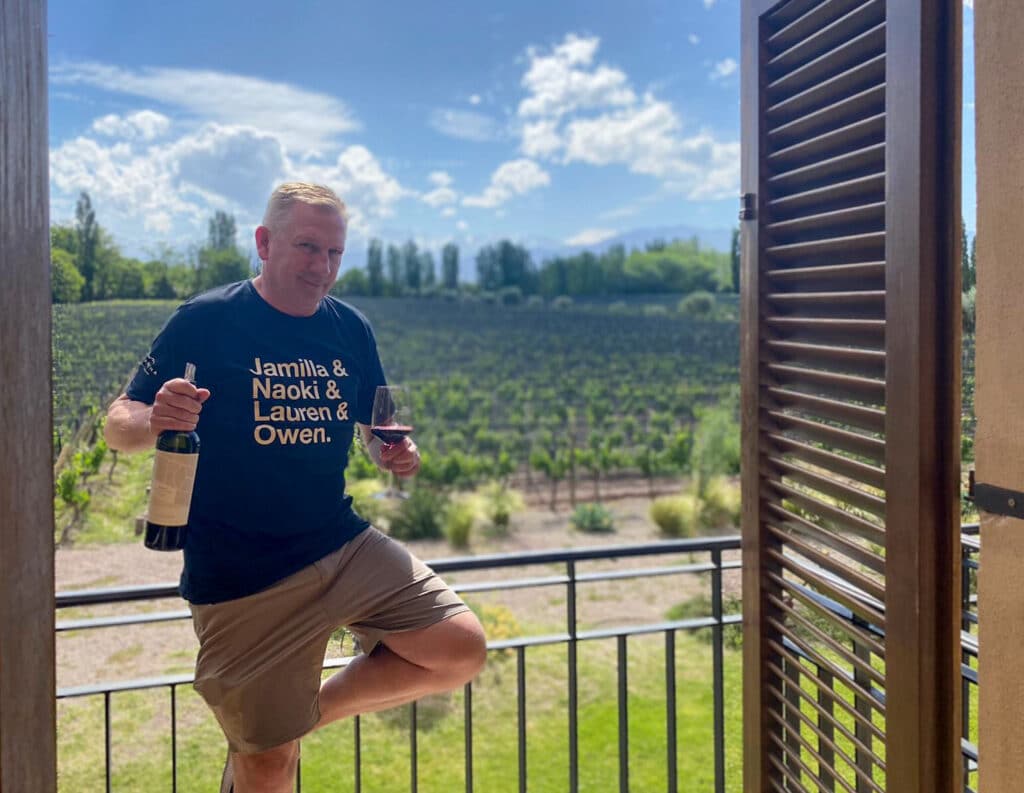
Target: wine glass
point(391, 422)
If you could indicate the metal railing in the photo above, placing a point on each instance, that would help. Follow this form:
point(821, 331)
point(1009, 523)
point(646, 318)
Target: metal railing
point(571, 637)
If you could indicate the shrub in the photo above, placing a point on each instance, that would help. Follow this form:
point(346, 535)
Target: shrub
point(510, 295)
point(499, 623)
point(498, 503)
point(716, 444)
point(535, 301)
point(677, 516)
point(562, 302)
point(722, 504)
point(595, 518)
point(697, 305)
point(458, 523)
point(366, 499)
point(655, 310)
point(419, 516)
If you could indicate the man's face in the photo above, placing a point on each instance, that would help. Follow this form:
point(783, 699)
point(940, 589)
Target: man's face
point(301, 258)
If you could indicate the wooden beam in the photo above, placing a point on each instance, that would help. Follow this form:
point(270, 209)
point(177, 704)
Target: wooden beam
point(923, 107)
point(999, 440)
point(27, 677)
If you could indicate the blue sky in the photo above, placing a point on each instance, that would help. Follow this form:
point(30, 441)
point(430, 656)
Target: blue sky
point(466, 121)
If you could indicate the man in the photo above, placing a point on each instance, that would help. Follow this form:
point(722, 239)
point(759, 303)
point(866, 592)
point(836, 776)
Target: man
point(275, 558)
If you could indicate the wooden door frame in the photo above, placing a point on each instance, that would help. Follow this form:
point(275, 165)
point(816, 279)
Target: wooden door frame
point(27, 638)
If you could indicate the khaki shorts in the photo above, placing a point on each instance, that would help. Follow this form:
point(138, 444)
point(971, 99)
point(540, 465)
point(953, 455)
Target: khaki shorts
point(261, 657)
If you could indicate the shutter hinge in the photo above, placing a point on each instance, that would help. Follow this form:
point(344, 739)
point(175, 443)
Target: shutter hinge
point(748, 202)
point(996, 500)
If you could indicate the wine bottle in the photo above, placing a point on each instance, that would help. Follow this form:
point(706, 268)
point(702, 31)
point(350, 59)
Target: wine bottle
point(170, 493)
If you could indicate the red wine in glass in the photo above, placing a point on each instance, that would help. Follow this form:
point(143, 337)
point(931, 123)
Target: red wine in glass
point(391, 422)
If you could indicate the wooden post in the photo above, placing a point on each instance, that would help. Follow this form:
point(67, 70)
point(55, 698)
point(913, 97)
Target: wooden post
point(922, 432)
point(27, 677)
point(999, 444)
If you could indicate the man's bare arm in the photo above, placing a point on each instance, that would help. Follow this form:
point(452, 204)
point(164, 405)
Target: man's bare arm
point(133, 426)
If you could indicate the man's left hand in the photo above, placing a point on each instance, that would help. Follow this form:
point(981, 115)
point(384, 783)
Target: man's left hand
point(402, 459)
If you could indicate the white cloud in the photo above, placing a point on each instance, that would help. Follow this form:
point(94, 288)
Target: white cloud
point(448, 212)
point(465, 125)
point(171, 187)
point(144, 125)
point(475, 99)
point(578, 113)
point(237, 163)
point(969, 4)
point(300, 119)
point(541, 138)
point(724, 69)
point(562, 81)
point(694, 39)
point(357, 176)
point(442, 194)
point(440, 197)
point(440, 179)
point(591, 237)
point(462, 225)
point(709, 3)
point(513, 178)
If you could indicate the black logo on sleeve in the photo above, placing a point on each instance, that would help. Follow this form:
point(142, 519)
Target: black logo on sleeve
point(148, 365)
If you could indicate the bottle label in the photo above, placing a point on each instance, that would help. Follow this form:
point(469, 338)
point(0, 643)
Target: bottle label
point(170, 493)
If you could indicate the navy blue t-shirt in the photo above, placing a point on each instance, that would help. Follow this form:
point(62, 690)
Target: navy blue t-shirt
point(285, 393)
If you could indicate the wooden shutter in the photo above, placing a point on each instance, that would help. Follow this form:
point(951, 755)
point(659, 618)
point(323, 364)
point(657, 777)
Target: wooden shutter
point(851, 394)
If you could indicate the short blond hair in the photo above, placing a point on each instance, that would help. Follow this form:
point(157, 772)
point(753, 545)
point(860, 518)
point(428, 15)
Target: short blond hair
point(287, 195)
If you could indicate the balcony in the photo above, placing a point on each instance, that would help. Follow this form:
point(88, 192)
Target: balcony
point(577, 705)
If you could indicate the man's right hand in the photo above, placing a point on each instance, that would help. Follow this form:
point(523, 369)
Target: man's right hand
point(176, 406)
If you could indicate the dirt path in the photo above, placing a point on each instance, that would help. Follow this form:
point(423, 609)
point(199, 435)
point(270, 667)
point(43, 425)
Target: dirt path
point(130, 652)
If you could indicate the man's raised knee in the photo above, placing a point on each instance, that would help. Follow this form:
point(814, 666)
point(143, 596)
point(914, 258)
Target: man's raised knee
point(472, 650)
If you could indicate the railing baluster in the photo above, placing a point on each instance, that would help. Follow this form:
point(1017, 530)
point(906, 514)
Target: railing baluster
point(670, 711)
point(828, 779)
point(359, 755)
point(413, 756)
point(623, 716)
point(174, 739)
point(106, 736)
point(574, 771)
point(469, 736)
point(718, 680)
point(521, 697)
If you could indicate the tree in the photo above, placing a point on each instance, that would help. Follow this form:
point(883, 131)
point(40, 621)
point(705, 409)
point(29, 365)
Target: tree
point(375, 268)
point(488, 270)
point(968, 277)
point(734, 253)
point(218, 266)
point(428, 271)
point(450, 266)
point(65, 281)
point(65, 238)
point(411, 266)
point(353, 282)
point(87, 234)
point(394, 271)
point(222, 231)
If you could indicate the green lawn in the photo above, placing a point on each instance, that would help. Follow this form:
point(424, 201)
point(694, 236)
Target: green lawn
point(141, 731)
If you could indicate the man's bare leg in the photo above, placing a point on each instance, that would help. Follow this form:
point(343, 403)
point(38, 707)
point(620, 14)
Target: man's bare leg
point(406, 666)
